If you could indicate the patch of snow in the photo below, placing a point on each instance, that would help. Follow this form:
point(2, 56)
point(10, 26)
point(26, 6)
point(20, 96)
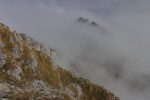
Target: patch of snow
point(3, 59)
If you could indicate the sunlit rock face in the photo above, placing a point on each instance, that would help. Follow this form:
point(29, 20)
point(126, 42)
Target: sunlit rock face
point(31, 71)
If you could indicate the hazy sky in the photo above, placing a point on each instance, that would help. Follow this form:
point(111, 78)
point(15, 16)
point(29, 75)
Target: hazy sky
point(118, 59)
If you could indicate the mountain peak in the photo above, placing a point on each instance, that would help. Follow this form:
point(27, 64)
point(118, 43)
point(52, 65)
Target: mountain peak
point(29, 71)
point(87, 21)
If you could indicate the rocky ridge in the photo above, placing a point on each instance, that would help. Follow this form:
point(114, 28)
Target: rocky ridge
point(30, 71)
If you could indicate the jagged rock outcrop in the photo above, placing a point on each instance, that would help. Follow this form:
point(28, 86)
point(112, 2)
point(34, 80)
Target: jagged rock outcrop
point(94, 24)
point(87, 21)
point(29, 71)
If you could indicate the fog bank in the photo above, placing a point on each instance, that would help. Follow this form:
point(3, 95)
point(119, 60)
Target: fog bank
point(115, 53)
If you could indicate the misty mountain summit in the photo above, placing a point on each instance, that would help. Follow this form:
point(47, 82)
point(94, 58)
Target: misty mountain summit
point(87, 21)
point(30, 71)
point(95, 25)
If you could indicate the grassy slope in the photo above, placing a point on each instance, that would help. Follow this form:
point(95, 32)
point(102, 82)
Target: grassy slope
point(54, 77)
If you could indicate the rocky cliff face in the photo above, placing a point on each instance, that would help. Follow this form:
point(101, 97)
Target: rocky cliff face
point(29, 71)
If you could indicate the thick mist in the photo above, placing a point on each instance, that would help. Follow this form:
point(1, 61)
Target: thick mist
point(114, 54)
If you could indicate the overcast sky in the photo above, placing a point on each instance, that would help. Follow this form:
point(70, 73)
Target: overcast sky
point(118, 59)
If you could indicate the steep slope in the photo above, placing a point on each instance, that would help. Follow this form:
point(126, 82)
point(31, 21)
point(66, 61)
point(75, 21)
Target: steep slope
point(29, 71)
